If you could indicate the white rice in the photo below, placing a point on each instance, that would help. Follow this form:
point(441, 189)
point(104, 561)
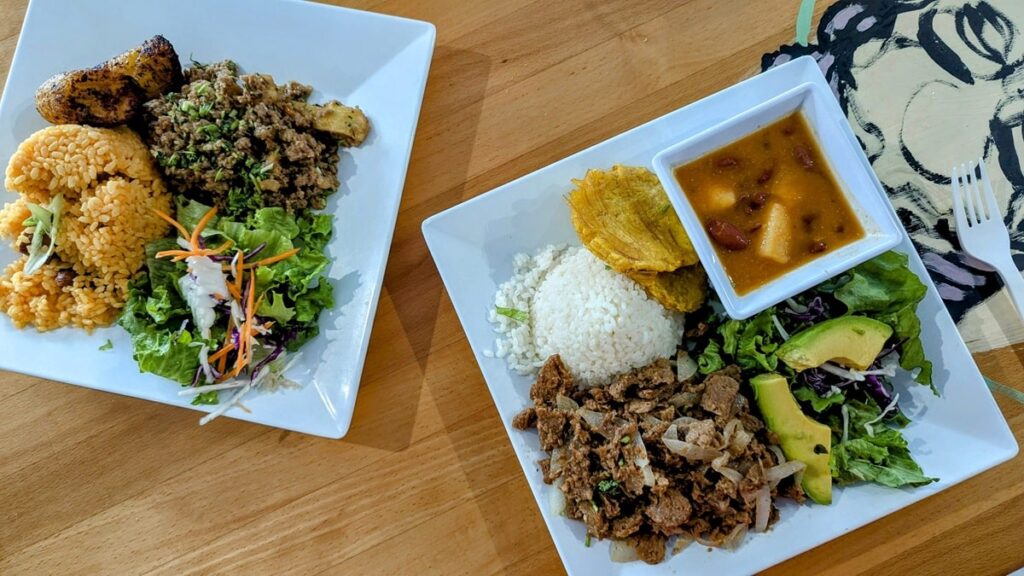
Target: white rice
point(600, 322)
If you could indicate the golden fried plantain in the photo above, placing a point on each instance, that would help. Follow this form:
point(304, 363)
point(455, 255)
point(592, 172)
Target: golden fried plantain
point(683, 290)
point(153, 65)
point(97, 97)
point(113, 92)
point(624, 217)
point(347, 124)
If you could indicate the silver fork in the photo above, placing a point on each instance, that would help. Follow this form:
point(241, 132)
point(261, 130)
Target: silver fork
point(980, 228)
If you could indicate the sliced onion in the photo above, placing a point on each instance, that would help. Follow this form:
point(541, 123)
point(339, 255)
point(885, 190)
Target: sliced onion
point(780, 456)
point(764, 509)
point(683, 424)
point(672, 433)
point(643, 462)
point(652, 421)
point(685, 367)
point(563, 402)
point(594, 419)
point(621, 552)
point(649, 478)
point(681, 543)
point(741, 440)
point(691, 451)
point(735, 538)
point(556, 498)
point(556, 462)
point(729, 430)
point(776, 474)
point(719, 465)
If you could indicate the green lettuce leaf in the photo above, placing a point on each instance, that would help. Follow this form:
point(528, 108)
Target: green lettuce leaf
point(818, 403)
point(873, 451)
point(730, 332)
point(274, 220)
point(315, 231)
point(190, 212)
point(273, 306)
point(757, 343)
point(163, 353)
point(247, 239)
point(309, 304)
point(710, 359)
point(886, 289)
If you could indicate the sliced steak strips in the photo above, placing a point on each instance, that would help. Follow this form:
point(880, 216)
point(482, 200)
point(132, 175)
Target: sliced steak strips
point(620, 478)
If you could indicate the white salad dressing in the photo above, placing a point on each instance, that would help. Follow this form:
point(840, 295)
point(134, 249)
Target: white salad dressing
point(200, 287)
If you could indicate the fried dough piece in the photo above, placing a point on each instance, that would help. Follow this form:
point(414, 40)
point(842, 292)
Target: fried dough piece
point(624, 217)
point(683, 290)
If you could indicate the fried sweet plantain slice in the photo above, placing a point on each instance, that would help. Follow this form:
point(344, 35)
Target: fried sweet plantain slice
point(683, 290)
point(112, 93)
point(624, 217)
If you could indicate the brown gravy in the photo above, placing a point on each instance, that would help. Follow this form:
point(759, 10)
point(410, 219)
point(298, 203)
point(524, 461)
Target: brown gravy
point(769, 203)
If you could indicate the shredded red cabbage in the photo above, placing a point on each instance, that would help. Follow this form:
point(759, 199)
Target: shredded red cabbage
point(817, 311)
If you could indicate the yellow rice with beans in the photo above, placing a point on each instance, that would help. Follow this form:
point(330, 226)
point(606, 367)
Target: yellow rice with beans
point(111, 187)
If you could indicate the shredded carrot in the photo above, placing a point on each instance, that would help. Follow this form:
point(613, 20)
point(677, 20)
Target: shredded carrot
point(273, 259)
point(245, 331)
point(223, 352)
point(182, 254)
point(234, 292)
point(172, 222)
point(194, 241)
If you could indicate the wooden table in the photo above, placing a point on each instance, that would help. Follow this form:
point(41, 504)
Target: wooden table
point(426, 481)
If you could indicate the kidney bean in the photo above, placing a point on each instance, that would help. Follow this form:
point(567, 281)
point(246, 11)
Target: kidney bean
point(766, 176)
point(726, 162)
point(818, 246)
point(803, 155)
point(727, 235)
point(759, 199)
point(65, 277)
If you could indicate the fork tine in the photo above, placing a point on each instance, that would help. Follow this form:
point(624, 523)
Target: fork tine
point(979, 205)
point(958, 202)
point(968, 195)
point(990, 196)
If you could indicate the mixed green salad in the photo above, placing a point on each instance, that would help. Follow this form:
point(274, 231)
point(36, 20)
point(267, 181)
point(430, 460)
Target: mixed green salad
point(839, 346)
point(221, 306)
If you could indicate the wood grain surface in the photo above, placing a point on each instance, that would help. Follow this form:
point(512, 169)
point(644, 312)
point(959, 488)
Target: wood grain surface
point(426, 481)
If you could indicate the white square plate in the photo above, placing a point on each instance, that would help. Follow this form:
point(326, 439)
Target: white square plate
point(846, 161)
point(954, 436)
point(377, 62)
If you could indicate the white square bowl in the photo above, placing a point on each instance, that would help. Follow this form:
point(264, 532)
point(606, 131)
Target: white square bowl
point(843, 156)
point(953, 437)
point(377, 62)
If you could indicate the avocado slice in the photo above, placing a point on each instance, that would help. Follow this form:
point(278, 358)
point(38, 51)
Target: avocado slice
point(801, 438)
point(853, 341)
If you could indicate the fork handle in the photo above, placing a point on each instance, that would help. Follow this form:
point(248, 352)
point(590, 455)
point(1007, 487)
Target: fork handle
point(1013, 281)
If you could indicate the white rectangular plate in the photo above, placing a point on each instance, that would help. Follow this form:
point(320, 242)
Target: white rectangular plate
point(377, 62)
point(954, 436)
